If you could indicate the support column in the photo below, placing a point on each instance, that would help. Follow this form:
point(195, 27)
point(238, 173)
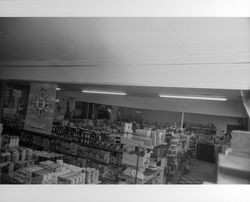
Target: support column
point(182, 119)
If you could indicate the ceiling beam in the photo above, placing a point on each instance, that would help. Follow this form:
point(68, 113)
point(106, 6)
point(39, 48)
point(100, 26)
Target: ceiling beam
point(230, 76)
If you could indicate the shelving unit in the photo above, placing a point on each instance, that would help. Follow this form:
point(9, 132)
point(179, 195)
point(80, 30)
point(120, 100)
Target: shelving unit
point(89, 161)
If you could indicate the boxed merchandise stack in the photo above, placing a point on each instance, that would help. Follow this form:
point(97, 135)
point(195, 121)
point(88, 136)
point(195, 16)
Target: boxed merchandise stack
point(143, 136)
point(234, 166)
point(128, 130)
point(149, 137)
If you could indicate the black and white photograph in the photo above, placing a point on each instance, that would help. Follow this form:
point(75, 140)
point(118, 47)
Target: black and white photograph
point(124, 102)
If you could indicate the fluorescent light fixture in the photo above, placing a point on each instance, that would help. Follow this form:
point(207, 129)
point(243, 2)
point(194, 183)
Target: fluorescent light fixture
point(57, 100)
point(193, 97)
point(104, 92)
point(138, 112)
point(57, 88)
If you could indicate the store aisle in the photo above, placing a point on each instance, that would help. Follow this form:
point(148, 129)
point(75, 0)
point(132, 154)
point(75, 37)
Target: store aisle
point(200, 172)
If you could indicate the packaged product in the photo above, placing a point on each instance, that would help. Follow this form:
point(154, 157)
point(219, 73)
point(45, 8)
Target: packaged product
point(15, 155)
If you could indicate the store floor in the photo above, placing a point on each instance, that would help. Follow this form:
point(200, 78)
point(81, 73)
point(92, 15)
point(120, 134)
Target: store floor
point(200, 172)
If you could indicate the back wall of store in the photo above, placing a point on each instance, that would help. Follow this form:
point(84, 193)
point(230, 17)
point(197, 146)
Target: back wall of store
point(167, 116)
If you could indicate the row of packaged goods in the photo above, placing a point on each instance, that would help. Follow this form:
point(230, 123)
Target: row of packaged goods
point(87, 124)
point(104, 133)
point(9, 141)
point(84, 152)
point(102, 139)
point(15, 155)
point(107, 132)
point(201, 128)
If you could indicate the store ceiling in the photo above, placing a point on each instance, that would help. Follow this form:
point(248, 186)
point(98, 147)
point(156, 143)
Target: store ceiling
point(102, 41)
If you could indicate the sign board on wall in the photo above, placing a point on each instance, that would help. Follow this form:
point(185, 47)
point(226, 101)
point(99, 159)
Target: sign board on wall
point(41, 106)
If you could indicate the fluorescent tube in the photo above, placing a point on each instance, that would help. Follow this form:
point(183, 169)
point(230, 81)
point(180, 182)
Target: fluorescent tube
point(193, 97)
point(104, 92)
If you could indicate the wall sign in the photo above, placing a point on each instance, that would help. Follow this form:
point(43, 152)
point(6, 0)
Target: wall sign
point(41, 106)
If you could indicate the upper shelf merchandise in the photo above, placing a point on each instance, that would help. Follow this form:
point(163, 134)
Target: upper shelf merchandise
point(201, 128)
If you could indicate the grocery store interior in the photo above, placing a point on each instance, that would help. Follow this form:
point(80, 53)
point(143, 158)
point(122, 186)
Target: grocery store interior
point(124, 101)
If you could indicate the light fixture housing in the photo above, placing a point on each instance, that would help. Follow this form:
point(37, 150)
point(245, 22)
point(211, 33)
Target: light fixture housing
point(104, 92)
point(193, 97)
point(57, 88)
